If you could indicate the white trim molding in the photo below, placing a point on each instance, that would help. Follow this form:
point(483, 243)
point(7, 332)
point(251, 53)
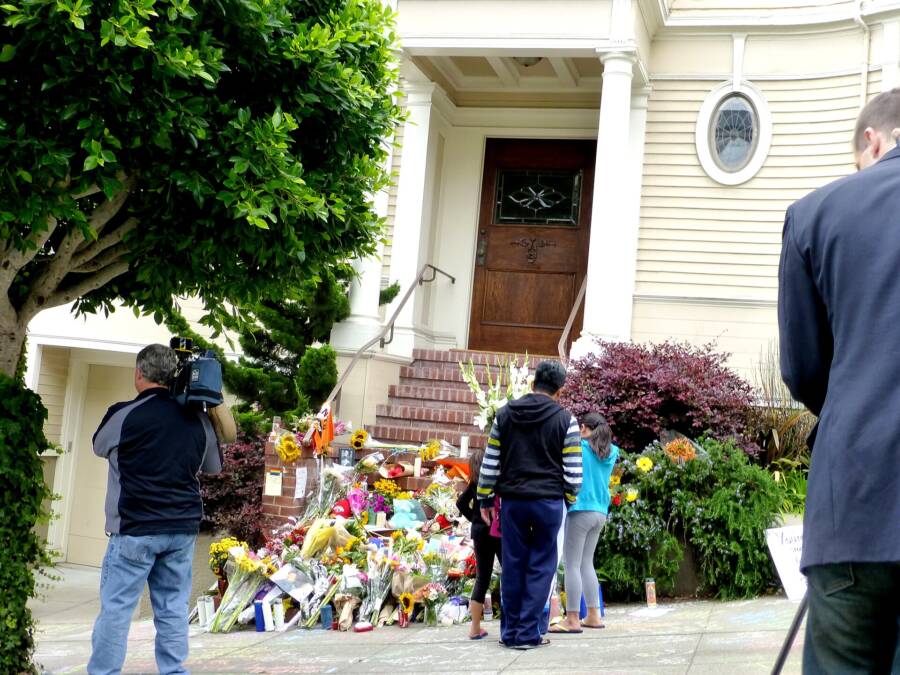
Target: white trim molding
point(704, 118)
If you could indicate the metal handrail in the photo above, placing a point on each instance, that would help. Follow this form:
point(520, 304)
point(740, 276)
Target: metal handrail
point(386, 336)
point(563, 352)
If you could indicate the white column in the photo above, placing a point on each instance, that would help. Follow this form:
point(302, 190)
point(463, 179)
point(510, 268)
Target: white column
point(612, 260)
point(409, 218)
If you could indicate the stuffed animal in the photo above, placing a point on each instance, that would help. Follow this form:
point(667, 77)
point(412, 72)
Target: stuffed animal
point(407, 515)
point(342, 509)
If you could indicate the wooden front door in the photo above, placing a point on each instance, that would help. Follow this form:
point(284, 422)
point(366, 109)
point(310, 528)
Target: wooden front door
point(532, 250)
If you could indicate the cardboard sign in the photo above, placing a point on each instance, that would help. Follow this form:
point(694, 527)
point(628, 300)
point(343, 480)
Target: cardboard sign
point(272, 487)
point(786, 546)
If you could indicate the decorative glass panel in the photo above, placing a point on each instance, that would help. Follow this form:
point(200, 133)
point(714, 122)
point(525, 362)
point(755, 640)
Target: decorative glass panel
point(536, 197)
point(734, 132)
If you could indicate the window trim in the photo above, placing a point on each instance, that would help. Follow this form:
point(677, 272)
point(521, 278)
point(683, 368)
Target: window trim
point(703, 133)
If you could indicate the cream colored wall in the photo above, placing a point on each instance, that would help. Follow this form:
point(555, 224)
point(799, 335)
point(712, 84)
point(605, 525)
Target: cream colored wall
point(708, 254)
point(713, 9)
point(502, 18)
point(51, 387)
point(366, 388)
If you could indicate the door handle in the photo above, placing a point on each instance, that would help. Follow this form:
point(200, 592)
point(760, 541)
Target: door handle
point(481, 252)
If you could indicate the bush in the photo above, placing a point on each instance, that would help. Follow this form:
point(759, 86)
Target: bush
point(317, 374)
point(718, 503)
point(22, 554)
point(232, 500)
point(646, 389)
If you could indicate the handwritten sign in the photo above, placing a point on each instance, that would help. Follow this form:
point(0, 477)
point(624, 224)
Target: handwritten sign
point(786, 546)
point(300, 483)
point(272, 487)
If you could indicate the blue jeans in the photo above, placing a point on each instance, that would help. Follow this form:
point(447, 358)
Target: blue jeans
point(164, 562)
point(528, 531)
point(853, 625)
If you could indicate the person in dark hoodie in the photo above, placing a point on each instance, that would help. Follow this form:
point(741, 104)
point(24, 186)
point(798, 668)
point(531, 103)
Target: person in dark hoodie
point(533, 462)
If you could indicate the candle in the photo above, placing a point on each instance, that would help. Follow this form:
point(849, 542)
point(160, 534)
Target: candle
point(464, 447)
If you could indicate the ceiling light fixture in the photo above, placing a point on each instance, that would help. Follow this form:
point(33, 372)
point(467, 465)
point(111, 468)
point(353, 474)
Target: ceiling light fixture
point(528, 61)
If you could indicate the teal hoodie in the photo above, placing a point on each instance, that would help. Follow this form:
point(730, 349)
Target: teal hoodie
point(594, 494)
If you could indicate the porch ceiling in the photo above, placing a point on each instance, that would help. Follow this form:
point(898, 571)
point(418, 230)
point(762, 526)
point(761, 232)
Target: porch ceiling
point(509, 81)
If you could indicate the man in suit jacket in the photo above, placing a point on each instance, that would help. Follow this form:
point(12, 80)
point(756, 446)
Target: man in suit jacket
point(839, 320)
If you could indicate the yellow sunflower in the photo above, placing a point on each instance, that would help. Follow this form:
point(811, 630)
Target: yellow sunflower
point(615, 480)
point(287, 449)
point(407, 602)
point(359, 439)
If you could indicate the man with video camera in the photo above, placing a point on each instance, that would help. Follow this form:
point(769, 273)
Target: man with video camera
point(839, 317)
point(155, 447)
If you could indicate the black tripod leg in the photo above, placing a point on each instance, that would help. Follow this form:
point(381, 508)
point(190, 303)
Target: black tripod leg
point(791, 636)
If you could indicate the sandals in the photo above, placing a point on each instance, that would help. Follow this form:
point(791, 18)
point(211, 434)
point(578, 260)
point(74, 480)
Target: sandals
point(587, 625)
point(559, 628)
point(483, 634)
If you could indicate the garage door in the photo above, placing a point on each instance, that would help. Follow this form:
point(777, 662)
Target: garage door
point(87, 539)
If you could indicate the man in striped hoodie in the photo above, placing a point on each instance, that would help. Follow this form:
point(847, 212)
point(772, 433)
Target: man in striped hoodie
point(533, 462)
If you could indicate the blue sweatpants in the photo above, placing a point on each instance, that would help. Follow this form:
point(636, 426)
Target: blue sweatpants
point(528, 532)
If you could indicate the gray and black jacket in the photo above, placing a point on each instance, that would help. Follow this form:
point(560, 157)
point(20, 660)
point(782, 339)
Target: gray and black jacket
point(155, 449)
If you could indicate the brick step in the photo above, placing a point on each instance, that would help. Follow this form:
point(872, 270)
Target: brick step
point(426, 358)
point(431, 382)
point(428, 395)
point(426, 418)
point(391, 434)
point(415, 402)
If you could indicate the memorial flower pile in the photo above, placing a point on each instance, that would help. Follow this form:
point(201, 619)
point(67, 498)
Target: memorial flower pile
point(363, 546)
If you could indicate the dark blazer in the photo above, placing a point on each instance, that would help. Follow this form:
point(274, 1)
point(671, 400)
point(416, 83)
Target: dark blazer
point(839, 322)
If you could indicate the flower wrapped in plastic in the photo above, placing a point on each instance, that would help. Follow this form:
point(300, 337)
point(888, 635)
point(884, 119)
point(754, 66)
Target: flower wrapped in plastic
point(334, 484)
point(510, 383)
point(433, 596)
point(246, 576)
point(378, 585)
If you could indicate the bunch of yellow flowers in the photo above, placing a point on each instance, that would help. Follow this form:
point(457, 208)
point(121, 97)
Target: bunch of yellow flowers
point(386, 487)
point(218, 554)
point(288, 449)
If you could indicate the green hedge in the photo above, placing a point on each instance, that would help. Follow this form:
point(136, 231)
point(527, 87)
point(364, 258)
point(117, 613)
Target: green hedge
point(719, 504)
point(22, 553)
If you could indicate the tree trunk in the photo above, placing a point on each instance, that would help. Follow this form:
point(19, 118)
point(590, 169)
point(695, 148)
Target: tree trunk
point(12, 340)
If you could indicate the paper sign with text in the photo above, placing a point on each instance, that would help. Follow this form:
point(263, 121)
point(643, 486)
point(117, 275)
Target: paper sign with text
point(786, 546)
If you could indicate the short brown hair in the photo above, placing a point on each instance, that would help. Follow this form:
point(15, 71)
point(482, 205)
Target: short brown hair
point(882, 113)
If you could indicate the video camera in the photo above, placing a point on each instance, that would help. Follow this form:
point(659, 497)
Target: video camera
point(198, 376)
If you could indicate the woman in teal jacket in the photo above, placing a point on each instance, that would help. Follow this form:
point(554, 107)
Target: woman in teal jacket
point(584, 522)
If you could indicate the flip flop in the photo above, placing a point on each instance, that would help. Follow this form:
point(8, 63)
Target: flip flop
point(587, 625)
point(559, 628)
point(483, 634)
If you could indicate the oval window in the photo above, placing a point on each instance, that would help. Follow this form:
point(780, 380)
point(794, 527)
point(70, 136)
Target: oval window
point(733, 133)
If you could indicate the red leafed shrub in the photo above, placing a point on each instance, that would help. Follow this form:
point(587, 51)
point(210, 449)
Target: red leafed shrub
point(646, 389)
point(232, 500)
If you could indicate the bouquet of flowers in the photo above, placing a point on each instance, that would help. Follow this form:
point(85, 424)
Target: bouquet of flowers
point(441, 498)
point(218, 554)
point(378, 585)
point(246, 576)
point(511, 382)
point(335, 483)
point(433, 596)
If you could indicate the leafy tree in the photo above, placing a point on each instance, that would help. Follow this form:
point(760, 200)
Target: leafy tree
point(150, 149)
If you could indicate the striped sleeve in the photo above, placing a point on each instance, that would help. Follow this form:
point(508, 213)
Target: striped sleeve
point(572, 460)
point(490, 466)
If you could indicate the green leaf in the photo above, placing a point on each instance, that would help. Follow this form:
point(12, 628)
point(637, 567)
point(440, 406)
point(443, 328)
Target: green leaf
point(7, 52)
point(24, 175)
point(108, 156)
point(78, 22)
point(90, 162)
point(84, 123)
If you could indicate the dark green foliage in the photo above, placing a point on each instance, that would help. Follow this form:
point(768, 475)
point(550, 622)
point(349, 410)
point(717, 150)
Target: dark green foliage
point(386, 295)
point(719, 504)
point(22, 553)
point(318, 374)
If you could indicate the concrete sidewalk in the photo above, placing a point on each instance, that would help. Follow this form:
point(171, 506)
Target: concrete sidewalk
point(681, 637)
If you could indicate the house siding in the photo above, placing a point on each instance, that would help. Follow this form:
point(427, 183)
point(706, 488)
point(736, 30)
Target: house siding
point(707, 264)
point(51, 387)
